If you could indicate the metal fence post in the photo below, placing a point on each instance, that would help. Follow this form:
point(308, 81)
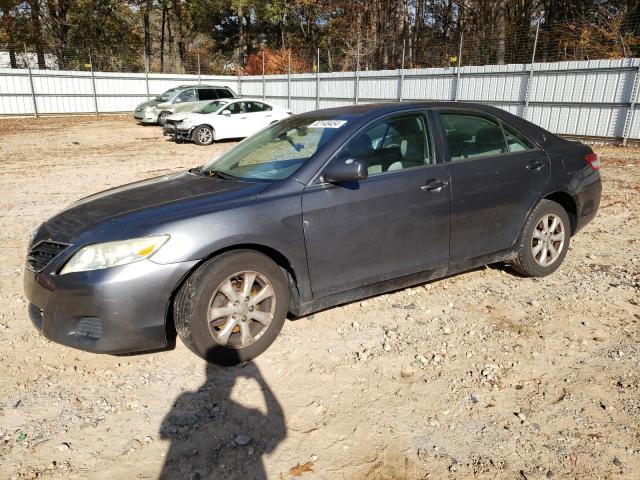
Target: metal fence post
point(264, 81)
point(530, 77)
point(199, 77)
point(146, 73)
point(456, 93)
point(318, 80)
point(33, 93)
point(356, 82)
point(93, 84)
point(289, 82)
point(628, 122)
point(401, 74)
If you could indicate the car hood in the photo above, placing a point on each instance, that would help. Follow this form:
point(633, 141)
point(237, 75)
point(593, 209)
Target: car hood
point(151, 194)
point(179, 116)
point(149, 103)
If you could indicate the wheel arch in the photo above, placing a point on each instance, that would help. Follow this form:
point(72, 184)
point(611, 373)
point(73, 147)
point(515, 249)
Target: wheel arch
point(567, 202)
point(280, 259)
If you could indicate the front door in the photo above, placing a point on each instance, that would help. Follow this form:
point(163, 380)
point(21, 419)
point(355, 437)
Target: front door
point(497, 175)
point(392, 224)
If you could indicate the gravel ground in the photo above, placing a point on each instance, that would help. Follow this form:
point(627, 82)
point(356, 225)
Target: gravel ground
point(483, 374)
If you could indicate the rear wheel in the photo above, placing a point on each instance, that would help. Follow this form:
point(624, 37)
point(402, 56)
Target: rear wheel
point(203, 135)
point(544, 240)
point(232, 307)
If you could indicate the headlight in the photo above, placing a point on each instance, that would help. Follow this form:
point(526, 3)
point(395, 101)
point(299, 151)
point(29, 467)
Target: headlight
point(110, 254)
point(149, 109)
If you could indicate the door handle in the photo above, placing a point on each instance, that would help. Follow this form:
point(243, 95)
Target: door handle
point(434, 185)
point(268, 116)
point(535, 165)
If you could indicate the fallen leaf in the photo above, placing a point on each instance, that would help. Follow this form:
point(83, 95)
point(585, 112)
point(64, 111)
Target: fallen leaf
point(298, 470)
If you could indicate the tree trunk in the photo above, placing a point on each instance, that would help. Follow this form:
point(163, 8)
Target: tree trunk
point(12, 56)
point(242, 48)
point(147, 30)
point(59, 28)
point(177, 12)
point(34, 6)
point(163, 24)
point(501, 26)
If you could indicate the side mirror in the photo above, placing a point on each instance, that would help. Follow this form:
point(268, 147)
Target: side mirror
point(177, 100)
point(226, 113)
point(345, 170)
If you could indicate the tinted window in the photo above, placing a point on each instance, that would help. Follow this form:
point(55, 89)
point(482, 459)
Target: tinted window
point(471, 136)
point(257, 107)
point(515, 141)
point(395, 143)
point(223, 93)
point(187, 96)
point(207, 94)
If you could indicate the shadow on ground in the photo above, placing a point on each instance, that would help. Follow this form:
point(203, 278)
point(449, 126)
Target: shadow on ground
point(213, 436)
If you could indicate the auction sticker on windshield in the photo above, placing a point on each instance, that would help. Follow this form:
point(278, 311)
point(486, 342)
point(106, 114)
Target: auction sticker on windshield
point(327, 124)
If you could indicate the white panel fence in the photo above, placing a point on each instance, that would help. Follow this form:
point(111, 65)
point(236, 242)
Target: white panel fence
point(595, 98)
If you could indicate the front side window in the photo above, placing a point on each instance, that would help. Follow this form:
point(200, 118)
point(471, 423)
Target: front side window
point(186, 96)
point(470, 136)
point(207, 94)
point(278, 151)
point(236, 107)
point(396, 143)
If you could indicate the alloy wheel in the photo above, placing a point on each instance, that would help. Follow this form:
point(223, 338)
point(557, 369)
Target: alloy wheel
point(204, 135)
point(548, 240)
point(241, 309)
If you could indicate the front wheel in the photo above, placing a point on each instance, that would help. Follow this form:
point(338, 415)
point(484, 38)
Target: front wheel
point(203, 135)
point(162, 118)
point(544, 240)
point(232, 307)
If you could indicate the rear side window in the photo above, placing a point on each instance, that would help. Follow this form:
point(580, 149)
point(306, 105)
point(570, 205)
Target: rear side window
point(257, 107)
point(472, 136)
point(223, 93)
point(207, 94)
point(515, 141)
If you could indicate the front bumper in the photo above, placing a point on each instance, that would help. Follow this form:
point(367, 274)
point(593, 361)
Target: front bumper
point(177, 133)
point(116, 310)
point(146, 117)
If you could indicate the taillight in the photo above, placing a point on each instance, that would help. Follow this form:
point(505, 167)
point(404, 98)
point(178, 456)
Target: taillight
point(593, 160)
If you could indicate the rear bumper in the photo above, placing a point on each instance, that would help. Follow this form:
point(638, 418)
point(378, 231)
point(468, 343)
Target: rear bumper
point(587, 200)
point(117, 310)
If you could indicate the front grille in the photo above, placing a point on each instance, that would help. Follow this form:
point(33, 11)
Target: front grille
point(43, 253)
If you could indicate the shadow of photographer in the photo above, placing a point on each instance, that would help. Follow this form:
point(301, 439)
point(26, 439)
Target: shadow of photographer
point(215, 437)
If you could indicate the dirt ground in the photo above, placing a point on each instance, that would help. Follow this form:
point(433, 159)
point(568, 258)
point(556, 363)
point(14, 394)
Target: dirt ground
point(483, 374)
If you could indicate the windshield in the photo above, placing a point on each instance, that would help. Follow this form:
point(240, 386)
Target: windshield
point(278, 151)
point(167, 95)
point(212, 107)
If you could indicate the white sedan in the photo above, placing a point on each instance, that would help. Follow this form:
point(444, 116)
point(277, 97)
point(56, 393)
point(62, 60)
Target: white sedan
point(224, 118)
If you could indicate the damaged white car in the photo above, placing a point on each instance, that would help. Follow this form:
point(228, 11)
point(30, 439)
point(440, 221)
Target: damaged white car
point(224, 118)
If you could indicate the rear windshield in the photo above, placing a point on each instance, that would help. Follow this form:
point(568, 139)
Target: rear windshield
point(278, 151)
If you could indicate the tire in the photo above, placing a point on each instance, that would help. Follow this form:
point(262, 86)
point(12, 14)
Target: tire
point(204, 332)
point(531, 259)
point(162, 116)
point(203, 135)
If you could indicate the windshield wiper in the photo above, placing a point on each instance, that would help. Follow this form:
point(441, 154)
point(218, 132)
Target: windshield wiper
point(217, 173)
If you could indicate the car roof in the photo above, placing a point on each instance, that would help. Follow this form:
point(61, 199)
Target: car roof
point(200, 86)
point(376, 109)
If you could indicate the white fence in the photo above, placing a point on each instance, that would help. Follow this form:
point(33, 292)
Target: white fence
point(596, 98)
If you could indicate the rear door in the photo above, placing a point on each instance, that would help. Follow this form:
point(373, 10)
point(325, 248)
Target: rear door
point(260, 115)
point(392, 224)
point(497, 175)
